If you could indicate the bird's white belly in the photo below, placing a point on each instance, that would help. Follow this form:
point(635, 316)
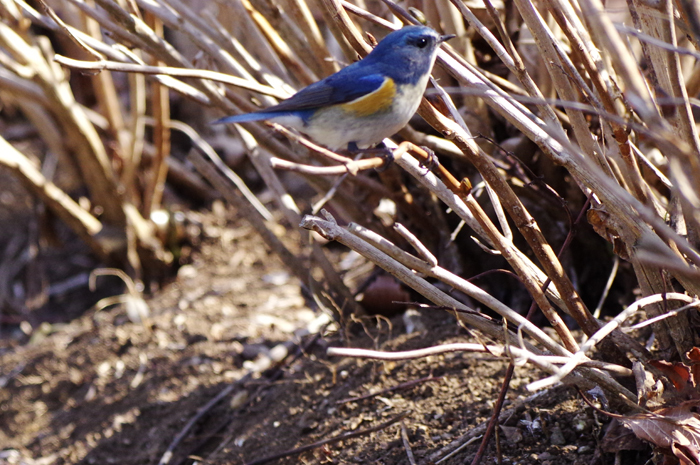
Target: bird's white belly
point(335, 127)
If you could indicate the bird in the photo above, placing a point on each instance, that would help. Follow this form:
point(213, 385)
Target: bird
point(365, 102)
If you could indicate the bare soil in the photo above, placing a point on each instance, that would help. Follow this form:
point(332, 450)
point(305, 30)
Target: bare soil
point(104, 390)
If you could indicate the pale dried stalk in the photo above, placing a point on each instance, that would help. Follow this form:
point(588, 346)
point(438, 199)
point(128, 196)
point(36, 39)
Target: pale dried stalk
point(605, 95)
point(303, 18)
point(623, 207)
point(181, 18)
point(90, 43)
point(23, 88)
point(137, 128)
point(523, 221)
point(237, 20)
point(135, 30)
point(40, 116)
point(457, 205)
point(518, 355)
point(463, 285)
point(545, 43)
point(684, 165)
point(639, 188)
point(666, 69)
point(511, 58)
point(81, 222)
point(155, 180)
point(263, 163)
point(286, 40)
point(343, 29)
point(241, 58)
point(170, 71)
point(580, 355)
point(89, 151)
point(605, 37)
point(252, 68)
point(293, 262)
point(106, 94)
point(649, 276)
point(224, 170)
point(417, 245)
point(329, 229)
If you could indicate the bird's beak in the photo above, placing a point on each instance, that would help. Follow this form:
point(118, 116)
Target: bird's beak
point(446, 38)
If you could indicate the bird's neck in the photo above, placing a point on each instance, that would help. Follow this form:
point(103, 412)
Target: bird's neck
point(406, 70)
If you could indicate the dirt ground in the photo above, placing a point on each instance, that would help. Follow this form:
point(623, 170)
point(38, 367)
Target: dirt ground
point(192, 380)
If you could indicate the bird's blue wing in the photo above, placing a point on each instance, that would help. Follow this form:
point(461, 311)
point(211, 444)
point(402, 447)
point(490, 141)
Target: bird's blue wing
point(347, 85)
point(336, 89)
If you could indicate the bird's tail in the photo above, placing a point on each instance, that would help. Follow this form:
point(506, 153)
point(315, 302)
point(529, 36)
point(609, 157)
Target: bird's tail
point(246, 117)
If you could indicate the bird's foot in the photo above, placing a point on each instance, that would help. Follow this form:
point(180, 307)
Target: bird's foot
point(380, 151)
point(431, 161)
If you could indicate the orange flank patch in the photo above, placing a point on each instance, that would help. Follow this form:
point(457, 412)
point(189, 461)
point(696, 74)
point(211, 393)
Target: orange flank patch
point(373, 102)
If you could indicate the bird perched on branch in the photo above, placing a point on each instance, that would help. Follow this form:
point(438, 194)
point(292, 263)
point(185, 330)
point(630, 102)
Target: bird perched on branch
point(366, 102)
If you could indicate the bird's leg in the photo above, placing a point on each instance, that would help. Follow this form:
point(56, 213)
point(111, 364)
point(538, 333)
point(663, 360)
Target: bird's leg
point(353, 148)
point(386, 154)
point(380, 150)
point(431, 161)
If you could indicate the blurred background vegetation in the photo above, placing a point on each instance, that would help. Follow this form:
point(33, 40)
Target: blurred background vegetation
point(574, 123)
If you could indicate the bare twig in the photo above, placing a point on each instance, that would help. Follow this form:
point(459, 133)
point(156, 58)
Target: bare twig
point(493, 422)
point(416, 244)
point(603, 332)
point(171, 71)
point(341, 437)
point(353, 167)
point(406, 385)
point(167, 456)
point(80, 221)
point(407, 445)
point(522, 355)
point(608, 285)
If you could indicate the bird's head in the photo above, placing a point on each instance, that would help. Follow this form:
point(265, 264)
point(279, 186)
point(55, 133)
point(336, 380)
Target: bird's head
point(409, 52)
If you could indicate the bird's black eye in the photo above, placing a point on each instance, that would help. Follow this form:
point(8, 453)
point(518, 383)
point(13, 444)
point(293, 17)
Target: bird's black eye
point(421, 42)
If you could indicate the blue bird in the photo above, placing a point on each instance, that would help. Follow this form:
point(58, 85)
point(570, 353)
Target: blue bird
point(365, 102)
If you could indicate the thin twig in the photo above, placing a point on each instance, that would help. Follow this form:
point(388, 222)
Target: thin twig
point(406, 385)
point(170, 71)
point(407, 444)
point(605, 331)
point(521, 355)
point(168, 455)
point(416, 244)
point(665, 315)
point(493, 422)
point(341, 437)
point(351, 168)
point(608, 285)
point(207, 150)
